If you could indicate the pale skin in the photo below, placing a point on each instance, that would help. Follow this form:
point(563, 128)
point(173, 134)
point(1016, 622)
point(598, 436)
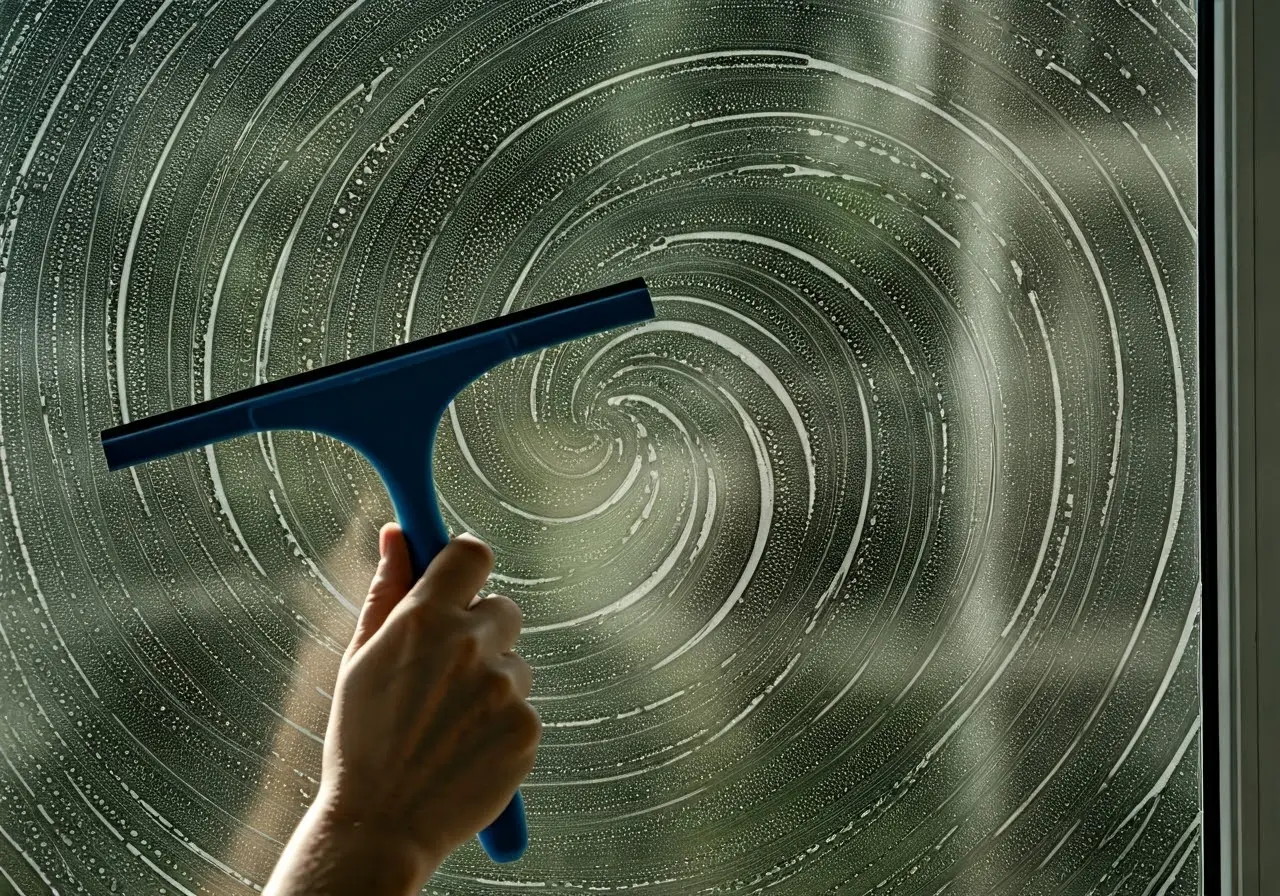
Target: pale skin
point(429, 735)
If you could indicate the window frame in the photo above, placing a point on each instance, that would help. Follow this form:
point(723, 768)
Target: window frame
point(1239, 187)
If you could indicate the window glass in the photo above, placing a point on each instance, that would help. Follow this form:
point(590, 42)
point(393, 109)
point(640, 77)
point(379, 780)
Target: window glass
point(869, 565)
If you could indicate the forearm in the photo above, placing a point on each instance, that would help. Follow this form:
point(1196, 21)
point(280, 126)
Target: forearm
point(325, 858)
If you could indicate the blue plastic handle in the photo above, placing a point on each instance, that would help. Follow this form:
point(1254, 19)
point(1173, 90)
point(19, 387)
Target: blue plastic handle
point(388, 406)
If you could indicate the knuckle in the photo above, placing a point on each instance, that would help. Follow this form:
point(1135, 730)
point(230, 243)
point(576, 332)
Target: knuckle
point(422, 621)
point(473, 552)
point(508, 606)
point(527, 725)
point(489, 677)
point(522, 664)
point(415, 619)
point(497, 685)
point(524, 675)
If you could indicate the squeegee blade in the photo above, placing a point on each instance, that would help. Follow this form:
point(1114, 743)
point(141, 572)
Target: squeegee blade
point(227, 416)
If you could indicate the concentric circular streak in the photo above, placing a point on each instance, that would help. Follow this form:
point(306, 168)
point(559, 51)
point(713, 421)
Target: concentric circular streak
point(868, 566)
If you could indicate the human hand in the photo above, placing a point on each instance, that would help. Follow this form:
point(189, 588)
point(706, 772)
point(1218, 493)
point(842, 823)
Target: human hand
point(431, 732)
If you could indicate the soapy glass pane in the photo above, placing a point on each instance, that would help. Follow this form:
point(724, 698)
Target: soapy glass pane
point(870, 565)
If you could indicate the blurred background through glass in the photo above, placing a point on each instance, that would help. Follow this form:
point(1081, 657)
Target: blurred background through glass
point(870, 565)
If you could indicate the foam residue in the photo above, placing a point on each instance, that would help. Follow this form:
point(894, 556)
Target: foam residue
point(868, 566)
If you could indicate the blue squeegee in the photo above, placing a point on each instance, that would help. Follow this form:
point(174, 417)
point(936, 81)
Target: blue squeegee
point(388, 405)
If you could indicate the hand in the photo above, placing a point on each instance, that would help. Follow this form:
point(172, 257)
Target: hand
point(431, 731)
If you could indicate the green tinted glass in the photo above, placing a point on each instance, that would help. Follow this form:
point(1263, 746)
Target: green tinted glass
point(869, 566)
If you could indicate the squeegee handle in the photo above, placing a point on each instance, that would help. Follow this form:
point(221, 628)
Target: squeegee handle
point(507, 836)
point(418, 513)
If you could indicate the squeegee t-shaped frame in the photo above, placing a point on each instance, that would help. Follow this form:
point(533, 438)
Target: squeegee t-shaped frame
point(388, 406)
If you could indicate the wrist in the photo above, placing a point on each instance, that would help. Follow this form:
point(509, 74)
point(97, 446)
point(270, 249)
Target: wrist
point(334, 853)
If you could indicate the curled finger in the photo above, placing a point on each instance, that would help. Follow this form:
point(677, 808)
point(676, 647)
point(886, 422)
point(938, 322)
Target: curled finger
point(500, 620)
point(520, 672)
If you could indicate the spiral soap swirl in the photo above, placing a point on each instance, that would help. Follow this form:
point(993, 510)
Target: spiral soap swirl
point(869, 565)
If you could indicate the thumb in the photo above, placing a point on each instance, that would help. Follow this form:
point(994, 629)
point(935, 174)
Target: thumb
point(390, 583)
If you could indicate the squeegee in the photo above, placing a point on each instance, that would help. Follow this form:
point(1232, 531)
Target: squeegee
point(387, 406)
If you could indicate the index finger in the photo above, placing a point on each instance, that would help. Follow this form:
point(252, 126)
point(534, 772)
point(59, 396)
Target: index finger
point(455, 575)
